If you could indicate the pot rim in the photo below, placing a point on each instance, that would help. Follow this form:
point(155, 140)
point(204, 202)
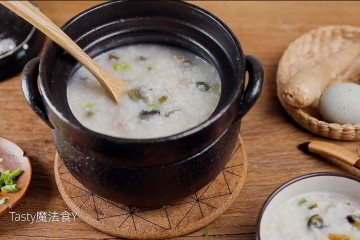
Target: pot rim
point(217, 114)
point(289, 183)
point(20, 45)
point(24, 41)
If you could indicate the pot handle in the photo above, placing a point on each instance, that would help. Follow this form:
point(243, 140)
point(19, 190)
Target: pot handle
point(254, 86)
point(30, 89)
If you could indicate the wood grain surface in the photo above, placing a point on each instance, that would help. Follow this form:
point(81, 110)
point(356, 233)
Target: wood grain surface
point(270, 136)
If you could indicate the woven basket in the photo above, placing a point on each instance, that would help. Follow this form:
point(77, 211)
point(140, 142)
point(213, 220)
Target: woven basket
point(306, 51)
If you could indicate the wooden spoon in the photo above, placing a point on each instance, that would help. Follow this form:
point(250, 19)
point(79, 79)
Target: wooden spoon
point(332, 151)
point(11, 158)
point(31, 14)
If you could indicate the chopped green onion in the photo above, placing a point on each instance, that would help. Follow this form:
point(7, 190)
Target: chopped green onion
point(302, 201)
point(162, 99)
point(9, 182)
point(89, 106)
point(205, 234)
point(123, 66)
point(149, 68)
point(137, 95)
point(146, 115)
point(84, 78)
point(10, 188)
point(14, 174)
point(152, 105)
point(134, 94)
point(217, 87)
point(202, 86)
point(3, 200)
point(5, 175)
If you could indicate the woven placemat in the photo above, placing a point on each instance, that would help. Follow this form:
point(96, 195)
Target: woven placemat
point(188, 215)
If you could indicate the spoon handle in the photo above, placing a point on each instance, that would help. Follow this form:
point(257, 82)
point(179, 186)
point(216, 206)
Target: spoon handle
point(332, 151)
point(30, 13)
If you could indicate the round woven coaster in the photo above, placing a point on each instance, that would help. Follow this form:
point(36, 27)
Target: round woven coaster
point(188, 215)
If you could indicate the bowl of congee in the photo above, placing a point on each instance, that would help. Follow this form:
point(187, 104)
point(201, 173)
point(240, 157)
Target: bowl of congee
point(315, 206)
point(179, 116)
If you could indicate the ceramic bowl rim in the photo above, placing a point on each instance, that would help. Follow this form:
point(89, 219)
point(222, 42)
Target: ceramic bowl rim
point(291, 182)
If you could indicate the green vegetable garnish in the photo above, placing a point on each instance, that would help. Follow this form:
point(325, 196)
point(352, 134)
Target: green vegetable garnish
point(205, 234)
point(149, 68)
point(134, 94)
point(84, 78)
point(302, 201)
point(217, 87)
point(202, 86)
point(162, 99)
point(14, 174)
point(5, 175)
point(8, 182)
point(3, 200)
point(137, 95)
point(123, 66)
point(89, 106)
point(145, 115)
point(152, 105)
point(10, 188)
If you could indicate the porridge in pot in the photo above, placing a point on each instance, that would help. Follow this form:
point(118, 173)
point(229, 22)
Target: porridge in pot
point(168, 90)
point(316, 216)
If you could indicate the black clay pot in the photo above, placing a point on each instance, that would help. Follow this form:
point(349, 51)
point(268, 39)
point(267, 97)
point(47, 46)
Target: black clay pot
point(145, 172)
point(27, 40)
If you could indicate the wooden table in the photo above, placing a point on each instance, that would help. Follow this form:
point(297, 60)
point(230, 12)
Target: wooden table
point(271, 137)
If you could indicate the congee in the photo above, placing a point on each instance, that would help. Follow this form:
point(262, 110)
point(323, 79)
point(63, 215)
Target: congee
point(316, 216)
point(168, 90)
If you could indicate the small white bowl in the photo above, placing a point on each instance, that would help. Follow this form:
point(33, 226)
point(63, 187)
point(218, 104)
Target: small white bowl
point(335, 183)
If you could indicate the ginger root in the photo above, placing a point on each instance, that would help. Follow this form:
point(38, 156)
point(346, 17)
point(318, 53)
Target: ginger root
point(306, 86)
